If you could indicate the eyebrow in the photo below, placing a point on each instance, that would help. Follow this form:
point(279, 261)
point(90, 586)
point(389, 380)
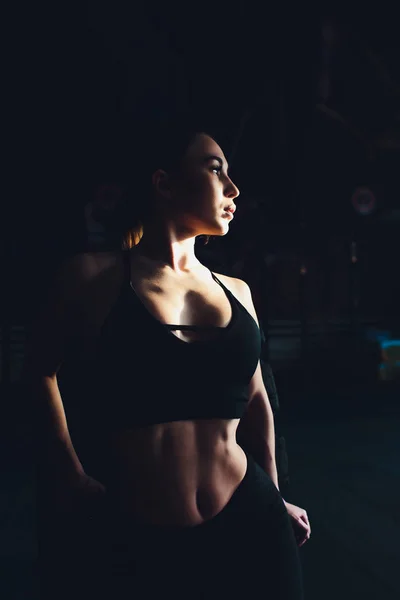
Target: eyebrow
point(217, 158)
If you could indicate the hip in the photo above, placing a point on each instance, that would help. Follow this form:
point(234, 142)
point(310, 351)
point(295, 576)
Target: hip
point(252, 502)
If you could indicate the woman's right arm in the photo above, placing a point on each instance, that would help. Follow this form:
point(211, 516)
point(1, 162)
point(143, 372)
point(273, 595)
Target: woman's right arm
point(51, 335)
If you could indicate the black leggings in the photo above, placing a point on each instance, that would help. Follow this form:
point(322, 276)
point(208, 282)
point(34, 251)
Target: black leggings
point(247, 551)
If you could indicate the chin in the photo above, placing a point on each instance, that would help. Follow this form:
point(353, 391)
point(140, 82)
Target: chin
point(225, 229)
point(218, 228)
point(217, 232)
point(225, 232)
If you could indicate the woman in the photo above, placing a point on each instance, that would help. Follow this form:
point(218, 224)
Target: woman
point(179, 409)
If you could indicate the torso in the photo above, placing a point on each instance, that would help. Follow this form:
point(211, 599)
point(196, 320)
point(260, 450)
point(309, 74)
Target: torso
point(181, 473)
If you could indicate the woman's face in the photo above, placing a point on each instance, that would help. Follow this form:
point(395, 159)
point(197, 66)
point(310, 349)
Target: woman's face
point(202, 195)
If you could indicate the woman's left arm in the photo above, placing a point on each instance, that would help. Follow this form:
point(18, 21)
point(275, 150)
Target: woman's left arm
point(256, 430)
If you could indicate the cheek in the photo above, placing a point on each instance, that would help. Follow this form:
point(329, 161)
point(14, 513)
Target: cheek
point(198, 194)
point(196, 191)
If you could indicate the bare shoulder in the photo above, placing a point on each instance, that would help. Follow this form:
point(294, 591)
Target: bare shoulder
point(81, 271)
point(74, 303)
point(241, 290)
point(86, 265)
point(234, 285)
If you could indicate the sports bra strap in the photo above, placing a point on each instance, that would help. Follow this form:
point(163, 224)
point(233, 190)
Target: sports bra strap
point(127, 279)
point(201, 327)
point(221, 284)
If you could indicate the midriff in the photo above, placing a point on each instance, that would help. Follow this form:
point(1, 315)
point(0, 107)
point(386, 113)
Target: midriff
point(177, 474)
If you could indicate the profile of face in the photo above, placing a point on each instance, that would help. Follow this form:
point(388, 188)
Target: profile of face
point(200, 196)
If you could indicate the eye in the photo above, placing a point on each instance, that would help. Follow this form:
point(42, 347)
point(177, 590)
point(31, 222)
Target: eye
point(218, 169)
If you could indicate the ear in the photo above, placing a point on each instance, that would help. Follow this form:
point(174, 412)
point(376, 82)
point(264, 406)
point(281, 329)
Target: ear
point(161, 183)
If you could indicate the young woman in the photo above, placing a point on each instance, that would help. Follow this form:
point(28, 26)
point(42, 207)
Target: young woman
point(177, 404)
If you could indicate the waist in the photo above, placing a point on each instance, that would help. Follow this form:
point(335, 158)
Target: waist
point(176, 474)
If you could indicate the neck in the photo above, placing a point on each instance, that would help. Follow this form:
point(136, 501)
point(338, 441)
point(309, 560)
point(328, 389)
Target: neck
point(168, 249)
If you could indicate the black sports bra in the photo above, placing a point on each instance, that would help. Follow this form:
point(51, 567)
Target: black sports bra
point(148, 375)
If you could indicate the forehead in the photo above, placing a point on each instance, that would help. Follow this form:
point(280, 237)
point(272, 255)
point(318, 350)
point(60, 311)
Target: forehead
point(202, 146)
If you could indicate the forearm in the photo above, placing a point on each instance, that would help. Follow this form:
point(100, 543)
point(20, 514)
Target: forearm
point(256, 435)
point(53, 442)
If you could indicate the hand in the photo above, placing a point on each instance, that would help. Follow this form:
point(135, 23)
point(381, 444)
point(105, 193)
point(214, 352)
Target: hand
point(79, 492)
point(300, 523)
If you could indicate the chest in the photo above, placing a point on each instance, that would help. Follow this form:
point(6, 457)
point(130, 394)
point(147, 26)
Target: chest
point(192, 303)
point(198, 303)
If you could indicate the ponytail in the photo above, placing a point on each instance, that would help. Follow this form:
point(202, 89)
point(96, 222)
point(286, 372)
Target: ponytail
point(132, 237)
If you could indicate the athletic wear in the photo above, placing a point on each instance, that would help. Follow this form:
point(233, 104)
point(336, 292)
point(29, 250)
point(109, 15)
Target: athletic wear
point(246, 552)
point(148, 375)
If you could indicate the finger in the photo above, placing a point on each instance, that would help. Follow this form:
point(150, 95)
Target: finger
point(306, 525)
point(303, 535)
point(301, 526)
point(305, 518)
point(304, 540)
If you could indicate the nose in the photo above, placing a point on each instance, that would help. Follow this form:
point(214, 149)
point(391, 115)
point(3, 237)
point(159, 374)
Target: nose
point(231, 190)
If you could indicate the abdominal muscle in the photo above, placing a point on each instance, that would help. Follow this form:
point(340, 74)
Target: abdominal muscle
point(177, 474)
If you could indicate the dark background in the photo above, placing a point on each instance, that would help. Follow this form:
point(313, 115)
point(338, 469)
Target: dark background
point(308, 106)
